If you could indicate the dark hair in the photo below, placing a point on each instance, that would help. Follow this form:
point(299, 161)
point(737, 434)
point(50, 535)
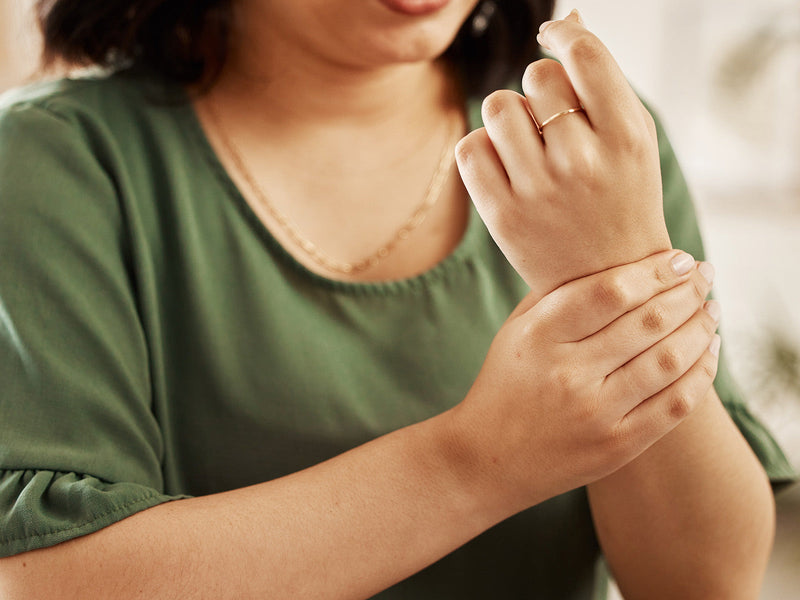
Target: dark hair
point(187, 40)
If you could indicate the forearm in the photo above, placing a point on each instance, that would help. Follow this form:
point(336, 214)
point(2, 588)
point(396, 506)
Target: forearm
point(692, 517)
point(346, 528)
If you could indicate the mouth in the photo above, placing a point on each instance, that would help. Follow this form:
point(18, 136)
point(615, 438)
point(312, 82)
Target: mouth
point(414, 7)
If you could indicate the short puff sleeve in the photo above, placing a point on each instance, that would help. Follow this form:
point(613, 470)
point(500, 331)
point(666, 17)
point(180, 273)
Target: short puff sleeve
point(80, 447)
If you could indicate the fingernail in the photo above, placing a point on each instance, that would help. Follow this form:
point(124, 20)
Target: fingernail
point(544, 26)
point(682, 263)
point(574, 15)
point(713, 347)
point(714, 309)
point(542, 43)
point(707, 271)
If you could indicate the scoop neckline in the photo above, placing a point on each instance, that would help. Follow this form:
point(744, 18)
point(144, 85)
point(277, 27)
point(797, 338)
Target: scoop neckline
point(464, 249)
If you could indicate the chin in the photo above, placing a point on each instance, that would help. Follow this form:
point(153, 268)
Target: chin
point(365, 33)
point(408, 39)
point(409, 49)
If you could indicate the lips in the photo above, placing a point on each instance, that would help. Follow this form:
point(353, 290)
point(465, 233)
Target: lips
point(414, 7)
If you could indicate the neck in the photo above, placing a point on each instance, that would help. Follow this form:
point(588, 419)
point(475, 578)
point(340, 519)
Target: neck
point(311, 137)
point(281, 82)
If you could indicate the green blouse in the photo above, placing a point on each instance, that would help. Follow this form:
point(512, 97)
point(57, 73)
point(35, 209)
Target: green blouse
point(156, 342)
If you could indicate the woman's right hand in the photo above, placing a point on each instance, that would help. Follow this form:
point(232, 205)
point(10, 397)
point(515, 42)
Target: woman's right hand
point(580, 383)
point(582, 194)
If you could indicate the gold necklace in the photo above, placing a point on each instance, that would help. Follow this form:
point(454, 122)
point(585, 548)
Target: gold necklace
point(432, 194)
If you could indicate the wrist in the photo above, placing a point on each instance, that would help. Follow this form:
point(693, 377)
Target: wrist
point(461, 464)
point(479, 467)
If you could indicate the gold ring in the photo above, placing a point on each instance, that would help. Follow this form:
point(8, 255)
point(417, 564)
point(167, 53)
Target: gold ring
point(556, 116)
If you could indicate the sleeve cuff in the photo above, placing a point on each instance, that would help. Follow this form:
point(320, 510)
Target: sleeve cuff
point(779, 470)
point(39, 509)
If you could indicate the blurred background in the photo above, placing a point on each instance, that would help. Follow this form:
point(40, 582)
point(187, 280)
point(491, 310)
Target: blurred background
point(724, 75)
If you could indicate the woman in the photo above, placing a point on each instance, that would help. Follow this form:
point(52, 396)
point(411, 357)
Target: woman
point(246, 327)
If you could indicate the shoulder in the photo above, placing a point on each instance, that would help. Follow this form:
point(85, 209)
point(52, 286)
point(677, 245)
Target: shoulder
point(102, 93)
point(100, 108)
point(104, 136)
point(63, 150)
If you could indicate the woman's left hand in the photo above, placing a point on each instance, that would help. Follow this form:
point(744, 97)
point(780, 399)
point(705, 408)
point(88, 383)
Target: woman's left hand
point(585, 194)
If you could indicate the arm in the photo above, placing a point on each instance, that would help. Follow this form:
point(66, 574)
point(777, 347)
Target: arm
point(356, 524)
point(692, 516)
point(346, 528)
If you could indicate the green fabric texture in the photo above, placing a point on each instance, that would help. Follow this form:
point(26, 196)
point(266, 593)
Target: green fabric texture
point(157, 343)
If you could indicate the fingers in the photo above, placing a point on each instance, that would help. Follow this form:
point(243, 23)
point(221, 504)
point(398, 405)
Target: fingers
point(514, 136)
point(549, 91)
point(599, 83)
point(584, 306)
point(641, 328)
point(664, 363)
point(483, 173)
point(659, 414)
point(527, 303)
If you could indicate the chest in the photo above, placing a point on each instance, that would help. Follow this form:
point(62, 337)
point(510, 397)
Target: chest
point(262, 368)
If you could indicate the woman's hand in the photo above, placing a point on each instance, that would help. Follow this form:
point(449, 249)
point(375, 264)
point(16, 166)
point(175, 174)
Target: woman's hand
point(586, 194)
point(579, 384)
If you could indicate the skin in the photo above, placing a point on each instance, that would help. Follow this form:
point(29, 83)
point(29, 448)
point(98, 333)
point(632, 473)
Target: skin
point(615, 393)
point(598, 170)
point(351, 87)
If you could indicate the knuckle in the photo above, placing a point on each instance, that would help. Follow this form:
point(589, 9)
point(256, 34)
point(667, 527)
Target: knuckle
point(610, 293)
point(463, 151)
point(547, 189)
point(620, 437)
point(529, 332)
point(669, 361)
point(579, 161)
point(470, 146)
point(541, 72)
point(634, 137)
point(585, 48)
point(588, 416)
point(562, 165)
point(496, 103)
point(620, 442)
point(663, 274)
point(679, 405)
point(654, 318)
point(522, 188)
point(570, 379)
point(612, 445)
point(564, 377)
point(708, 367)
point(629, 139)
